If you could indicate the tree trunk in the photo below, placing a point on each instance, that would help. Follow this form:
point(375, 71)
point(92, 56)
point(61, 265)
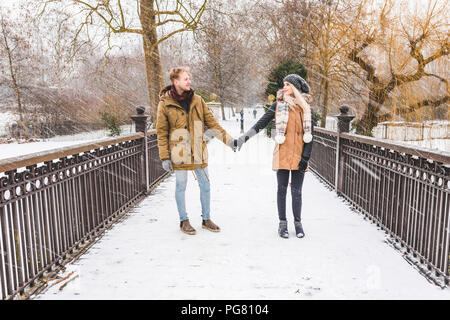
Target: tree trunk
point(13, 75)
point(218, 89)
point(371, 118)
point(223, 111)
point(232, 110)
point(323, 121)
point(155, 79)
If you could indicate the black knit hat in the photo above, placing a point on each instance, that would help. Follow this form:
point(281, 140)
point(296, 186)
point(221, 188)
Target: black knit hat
point(298, 82)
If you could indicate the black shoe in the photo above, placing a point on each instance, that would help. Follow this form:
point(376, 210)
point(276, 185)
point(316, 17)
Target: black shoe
point(282, 230)
point(299, 230)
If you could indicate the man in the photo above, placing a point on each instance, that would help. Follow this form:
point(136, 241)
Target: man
point(181, 121)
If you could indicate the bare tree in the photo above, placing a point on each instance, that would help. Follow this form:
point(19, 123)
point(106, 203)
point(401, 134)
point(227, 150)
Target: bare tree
point(327, 40)
point(379, 47)
point(397, 54)
point(13, 46)
point(145, 18)
point(227, 60)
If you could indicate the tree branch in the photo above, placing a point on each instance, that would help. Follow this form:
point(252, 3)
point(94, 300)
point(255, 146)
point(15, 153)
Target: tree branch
point(398, 79)
point(425, 103)
point(167, 21)
point(171, 34)
point(354, 56)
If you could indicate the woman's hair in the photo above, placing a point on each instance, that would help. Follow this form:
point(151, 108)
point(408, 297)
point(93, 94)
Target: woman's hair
point(175, 72)
point(280, 95)
point(308, 97)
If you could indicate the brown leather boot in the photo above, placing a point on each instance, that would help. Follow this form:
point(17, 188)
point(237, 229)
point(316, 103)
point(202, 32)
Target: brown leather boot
point(186, 227)
point(211, 226)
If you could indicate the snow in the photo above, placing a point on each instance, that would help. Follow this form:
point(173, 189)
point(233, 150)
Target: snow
point(5, 119)
point(428, 134)
point(435, 144)
point(9, 150)
point(146, 256)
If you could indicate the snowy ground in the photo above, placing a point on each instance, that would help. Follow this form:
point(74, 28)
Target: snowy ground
point(146, 256)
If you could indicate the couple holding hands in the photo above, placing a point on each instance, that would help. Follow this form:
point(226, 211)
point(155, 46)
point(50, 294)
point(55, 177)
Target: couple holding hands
point(184, 119)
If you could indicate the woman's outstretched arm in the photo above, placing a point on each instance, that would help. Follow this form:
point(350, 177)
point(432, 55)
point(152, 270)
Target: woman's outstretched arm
point(264, 120)
point(260, 125)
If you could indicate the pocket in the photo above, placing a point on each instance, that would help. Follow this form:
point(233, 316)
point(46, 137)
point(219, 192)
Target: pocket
point(172, 116)
point(180, 122)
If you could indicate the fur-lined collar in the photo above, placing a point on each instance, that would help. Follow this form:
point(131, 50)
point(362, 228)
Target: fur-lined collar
point(165, 92)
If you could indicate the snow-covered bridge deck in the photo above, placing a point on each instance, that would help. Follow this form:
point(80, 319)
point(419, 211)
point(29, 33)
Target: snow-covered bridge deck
point(145, 256)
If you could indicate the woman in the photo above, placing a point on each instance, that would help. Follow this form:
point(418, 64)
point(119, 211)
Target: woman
point(293, 147)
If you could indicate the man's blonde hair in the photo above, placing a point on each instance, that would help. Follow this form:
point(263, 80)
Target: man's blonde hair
point(175, 72)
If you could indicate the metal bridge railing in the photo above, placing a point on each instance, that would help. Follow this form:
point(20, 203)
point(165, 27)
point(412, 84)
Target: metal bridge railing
point(53, 202)
point(404, 189)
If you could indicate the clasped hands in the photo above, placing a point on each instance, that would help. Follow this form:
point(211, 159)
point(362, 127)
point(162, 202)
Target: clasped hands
point(236, 144)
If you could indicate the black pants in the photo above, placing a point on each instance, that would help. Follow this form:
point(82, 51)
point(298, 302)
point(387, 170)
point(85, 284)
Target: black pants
point(296, 192)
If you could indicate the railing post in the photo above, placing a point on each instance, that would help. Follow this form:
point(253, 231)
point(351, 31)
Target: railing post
point(343, 126)
point(140, 121)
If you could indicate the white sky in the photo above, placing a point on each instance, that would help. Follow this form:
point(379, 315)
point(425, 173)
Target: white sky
point(421, 4)
point(9, 2)
point(12, 2)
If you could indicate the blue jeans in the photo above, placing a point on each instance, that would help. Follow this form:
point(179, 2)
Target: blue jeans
point(205, 192)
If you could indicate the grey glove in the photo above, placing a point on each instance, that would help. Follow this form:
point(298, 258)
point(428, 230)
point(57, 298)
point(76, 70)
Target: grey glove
point(239, 142)
point(167, 165)
point(233, 145)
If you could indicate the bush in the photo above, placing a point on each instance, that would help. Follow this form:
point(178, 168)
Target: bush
point(315, 118)
point(277, 75)
point(112, 123)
